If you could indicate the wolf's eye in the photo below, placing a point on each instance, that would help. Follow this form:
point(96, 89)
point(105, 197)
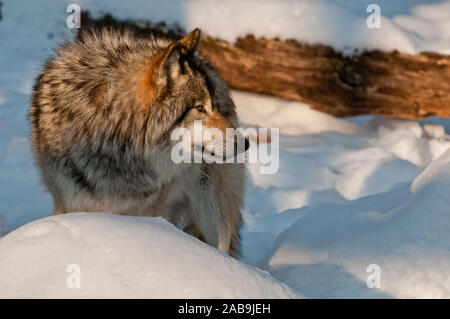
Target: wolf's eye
point(200, 108)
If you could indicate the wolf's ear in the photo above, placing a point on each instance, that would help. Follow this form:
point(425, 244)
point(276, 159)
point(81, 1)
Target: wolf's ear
point(168, 63)
point(190, 42)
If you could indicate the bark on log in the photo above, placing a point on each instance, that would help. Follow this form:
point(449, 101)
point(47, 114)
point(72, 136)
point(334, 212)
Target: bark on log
point(391, 84)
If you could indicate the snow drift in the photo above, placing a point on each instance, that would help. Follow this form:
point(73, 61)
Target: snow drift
point(406, 232)
point(123, 257)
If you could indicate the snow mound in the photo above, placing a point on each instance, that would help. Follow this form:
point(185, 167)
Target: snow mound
point(406, 232)
point(122, 257)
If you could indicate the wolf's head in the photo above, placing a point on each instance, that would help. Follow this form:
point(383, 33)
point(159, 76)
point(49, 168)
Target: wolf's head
point(180, 88)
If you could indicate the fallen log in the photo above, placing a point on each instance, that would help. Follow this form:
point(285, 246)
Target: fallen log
point(384, 83)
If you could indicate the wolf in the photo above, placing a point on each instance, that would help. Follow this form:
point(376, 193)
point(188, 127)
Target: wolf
point(101, 116)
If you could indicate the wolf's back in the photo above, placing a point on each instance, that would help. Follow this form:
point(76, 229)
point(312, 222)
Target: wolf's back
point(83, 117)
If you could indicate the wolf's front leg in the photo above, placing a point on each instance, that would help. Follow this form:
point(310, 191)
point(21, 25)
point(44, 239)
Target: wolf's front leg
point(207, 221)
point(212, 202)
point(227, 182)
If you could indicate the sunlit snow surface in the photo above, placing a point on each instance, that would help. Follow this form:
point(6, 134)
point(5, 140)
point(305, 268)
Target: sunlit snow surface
point(349, 193)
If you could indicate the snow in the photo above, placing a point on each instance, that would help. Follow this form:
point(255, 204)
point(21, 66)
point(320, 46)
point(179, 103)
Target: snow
point(349, 193)
point(404, 231)
point(347, 197)
point(408, 26)
point(128, 257)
